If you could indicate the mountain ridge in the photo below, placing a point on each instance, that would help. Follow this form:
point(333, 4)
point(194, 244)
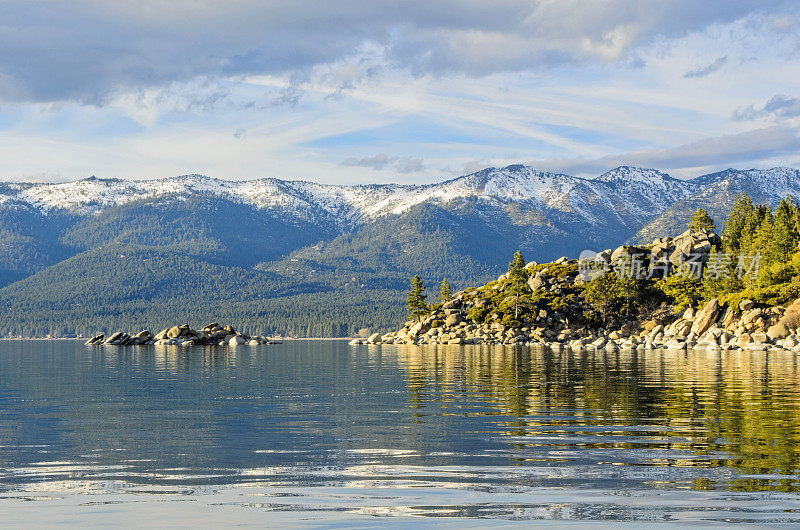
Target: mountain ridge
point(320, 249)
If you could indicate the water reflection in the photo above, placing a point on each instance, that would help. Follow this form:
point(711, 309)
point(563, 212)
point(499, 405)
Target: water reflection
point(665, 408)
point(344, 432)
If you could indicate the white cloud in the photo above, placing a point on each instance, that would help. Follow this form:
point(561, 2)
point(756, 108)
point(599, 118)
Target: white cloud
point(777, 107)
point(293, 89)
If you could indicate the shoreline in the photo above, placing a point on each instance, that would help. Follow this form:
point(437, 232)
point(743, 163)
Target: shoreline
point(609, 346)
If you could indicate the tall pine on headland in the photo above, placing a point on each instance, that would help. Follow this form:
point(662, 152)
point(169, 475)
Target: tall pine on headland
point(737, 222)
point(784, 231)
point(417, 306)
point(518, 282)
point(702, 221)
point(445, 291)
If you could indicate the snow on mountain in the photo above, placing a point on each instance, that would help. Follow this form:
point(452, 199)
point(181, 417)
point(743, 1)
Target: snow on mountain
point(717, 192)
point(628, 192)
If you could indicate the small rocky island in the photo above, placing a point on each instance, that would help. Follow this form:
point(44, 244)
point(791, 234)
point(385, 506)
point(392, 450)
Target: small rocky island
point(572, 304)
point(211, 335)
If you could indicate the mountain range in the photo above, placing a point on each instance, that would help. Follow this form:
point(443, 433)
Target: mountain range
point(312, 259)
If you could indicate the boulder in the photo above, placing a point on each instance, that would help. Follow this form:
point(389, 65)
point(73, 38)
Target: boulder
point(174, 332)
point(759, 336)
point(253, 342)
point(743, 340)
point(605, 255)
point(144, 336)
point(706, 317)
point(97, 339)
point(676, 257)
point(649, 325)
point(417, 328)
point(236, 340)
point(778, 331)
point(375, 338)
point(115, 338)
point(750, 316)
point(746, 305)
point(536, 282)
point(618, 253)
point(452, 320)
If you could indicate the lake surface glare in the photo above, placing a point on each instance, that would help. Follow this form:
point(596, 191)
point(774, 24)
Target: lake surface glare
point(321, 433)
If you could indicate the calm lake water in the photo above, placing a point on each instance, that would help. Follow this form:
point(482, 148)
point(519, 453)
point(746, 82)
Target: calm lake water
point(320, 433)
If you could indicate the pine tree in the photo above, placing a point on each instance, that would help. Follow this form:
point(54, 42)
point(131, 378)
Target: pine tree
point(603, 294)
point(755, 218)
point(445, 291)
point(702, 221)
point(736, 223)
point(518, 282)
point(762, 236)
point(784, 231)
point(417, 306)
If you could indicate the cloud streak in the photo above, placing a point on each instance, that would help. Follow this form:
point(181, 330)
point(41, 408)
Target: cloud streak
point(382, 161)
point(708, 69)
point(745, 147)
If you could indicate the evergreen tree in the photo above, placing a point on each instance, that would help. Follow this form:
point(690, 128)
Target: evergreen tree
point(702, 221)
point(417, 306)
point(784, 231)
point(762, 238)
point(603, 294)
point(445, 291)
point(736, 223)
point(518, 282)
point(753, 223)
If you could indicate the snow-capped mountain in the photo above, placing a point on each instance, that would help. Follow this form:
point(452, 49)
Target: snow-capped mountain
point(113, 249)
point(636, 191)
point(717, 192)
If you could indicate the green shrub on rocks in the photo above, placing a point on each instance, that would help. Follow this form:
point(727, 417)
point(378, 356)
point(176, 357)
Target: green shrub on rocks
point(683, 291)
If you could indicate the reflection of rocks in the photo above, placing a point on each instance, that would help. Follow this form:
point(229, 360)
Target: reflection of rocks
point(183, 335)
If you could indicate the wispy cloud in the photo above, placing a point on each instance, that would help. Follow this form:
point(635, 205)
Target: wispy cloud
point(707, 69)
point(777, 107)
point(381, 161)
point(313, 90)
point(728, 150)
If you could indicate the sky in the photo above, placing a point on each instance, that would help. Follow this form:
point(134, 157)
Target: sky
point(409, 91)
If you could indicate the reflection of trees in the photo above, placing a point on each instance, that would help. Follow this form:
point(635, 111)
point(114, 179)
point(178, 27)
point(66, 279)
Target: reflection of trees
point(737, 409)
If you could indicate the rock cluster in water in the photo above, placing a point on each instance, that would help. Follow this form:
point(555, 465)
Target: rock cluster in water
point(712, 326)
point(213, 334)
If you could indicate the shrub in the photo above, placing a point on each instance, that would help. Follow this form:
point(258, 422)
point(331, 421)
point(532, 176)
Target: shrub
point(682, 290)
point(478, 314)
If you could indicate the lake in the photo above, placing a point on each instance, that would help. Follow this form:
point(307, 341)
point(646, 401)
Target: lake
point(321, 433)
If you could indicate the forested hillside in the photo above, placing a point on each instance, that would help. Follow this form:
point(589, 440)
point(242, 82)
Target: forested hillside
point(304, 259)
